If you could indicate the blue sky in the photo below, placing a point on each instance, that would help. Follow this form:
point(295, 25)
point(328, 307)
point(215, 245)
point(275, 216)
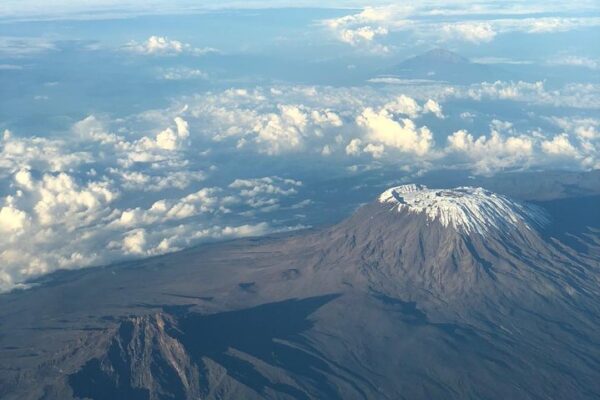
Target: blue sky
point(145, 128)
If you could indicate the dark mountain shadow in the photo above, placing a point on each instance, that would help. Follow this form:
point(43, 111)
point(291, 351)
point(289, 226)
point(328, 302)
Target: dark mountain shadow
point(94, 381)
point(572, 218)
point(261, 332)
point(271, 333)
point(411, 315)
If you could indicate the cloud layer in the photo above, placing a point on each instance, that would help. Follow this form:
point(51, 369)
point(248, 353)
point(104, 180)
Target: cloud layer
point(137, 186)
point(463, 22)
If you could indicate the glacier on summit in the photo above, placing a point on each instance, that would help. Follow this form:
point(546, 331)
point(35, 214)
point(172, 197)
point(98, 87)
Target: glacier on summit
point(466, 209)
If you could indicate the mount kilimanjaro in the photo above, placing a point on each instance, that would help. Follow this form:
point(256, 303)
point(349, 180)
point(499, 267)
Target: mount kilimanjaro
point(423, 293)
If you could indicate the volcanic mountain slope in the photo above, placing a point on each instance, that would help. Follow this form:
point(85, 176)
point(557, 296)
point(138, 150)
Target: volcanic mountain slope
point(423, 293)
point(444, 65)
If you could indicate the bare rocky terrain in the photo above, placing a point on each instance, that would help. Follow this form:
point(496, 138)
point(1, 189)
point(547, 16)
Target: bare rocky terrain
point(387, 304)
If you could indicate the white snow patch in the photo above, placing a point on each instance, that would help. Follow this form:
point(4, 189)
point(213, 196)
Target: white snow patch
point(466, 209)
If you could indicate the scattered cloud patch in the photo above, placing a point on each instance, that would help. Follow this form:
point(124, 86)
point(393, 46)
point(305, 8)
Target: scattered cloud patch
point(402, 134)
point(163, 46)
point(12, 220)
point(560, 145)
point(474, 32)
point(576, 61)
point(494, 152)
point(182, 74)
point(471, 23)
point(65, 218)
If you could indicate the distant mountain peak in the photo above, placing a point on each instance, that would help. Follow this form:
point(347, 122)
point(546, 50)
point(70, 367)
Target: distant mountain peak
point(445, 65)
point(466, 209)
point(443, 56)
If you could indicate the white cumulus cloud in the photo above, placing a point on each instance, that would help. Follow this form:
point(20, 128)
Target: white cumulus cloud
point(475, 32)
point(400, 134)
point(163, 46)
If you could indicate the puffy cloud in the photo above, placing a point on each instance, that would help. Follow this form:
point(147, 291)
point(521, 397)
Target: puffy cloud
point(408, 106)
point(253, 187)
point(12, 220)
point(432, 106)
point(307, 119)
point(74, 195)
point(353, 148)
point(143, 242)
point(183, 128)
point(161, 45)
point(584, 96)
point(361, 29)
point(244, 230)
point(23, 179)
point(362, 35)
point(507, 90)
point(262, 121)
point(61, 218)
point(344, 121)
point(505, 148)
point(288, 129)
point(492, 153)
point(59, 198)
point(404, 105)
point(366, 16)
point(575, 95)
point(157, 181)
point(167, 144)
point(134, 242)
point(493, 145)
point(402, 134)
point(326, 118)
point(74, 224)
point(583, 128)
point(475, 32)
point(193, 204)
point(110, 189)
point(158, 45)
point(560, 145)
point(376, 150)
point(283, 131)
point(469, 22)
point(167, 139)
point(42, 153)
point(264, 193)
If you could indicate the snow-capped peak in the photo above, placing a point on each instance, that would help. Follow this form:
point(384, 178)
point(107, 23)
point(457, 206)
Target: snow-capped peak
point(467, 209)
